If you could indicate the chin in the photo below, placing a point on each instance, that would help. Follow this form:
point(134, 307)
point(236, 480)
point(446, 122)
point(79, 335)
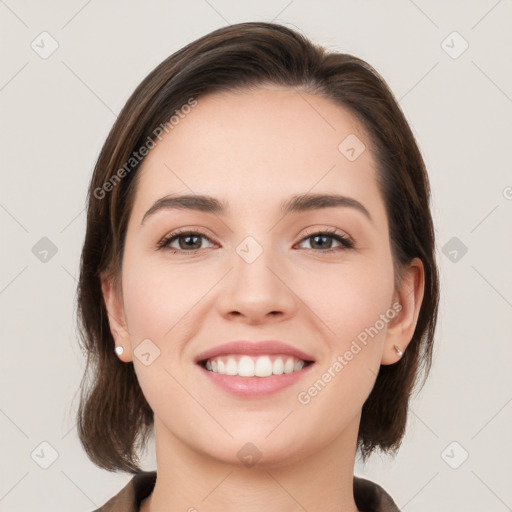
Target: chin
point(255, 448)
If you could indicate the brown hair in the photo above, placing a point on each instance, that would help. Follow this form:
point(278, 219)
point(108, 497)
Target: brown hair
point(114, 418)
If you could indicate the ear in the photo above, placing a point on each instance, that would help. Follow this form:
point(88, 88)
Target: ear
point(410, 296)
point(112, 295)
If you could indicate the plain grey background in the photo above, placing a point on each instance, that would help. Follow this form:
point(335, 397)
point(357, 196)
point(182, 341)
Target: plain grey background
point(448, 63)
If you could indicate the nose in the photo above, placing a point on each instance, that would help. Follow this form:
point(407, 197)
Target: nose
point(258, 290)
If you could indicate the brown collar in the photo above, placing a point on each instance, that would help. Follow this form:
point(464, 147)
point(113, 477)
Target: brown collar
point(369, 496)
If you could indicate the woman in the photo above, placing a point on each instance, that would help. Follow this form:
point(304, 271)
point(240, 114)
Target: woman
point(258, 279)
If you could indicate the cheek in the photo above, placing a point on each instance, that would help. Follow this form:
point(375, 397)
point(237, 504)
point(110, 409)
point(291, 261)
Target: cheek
point(354, 308)
point(351, 299)
point(159, 297)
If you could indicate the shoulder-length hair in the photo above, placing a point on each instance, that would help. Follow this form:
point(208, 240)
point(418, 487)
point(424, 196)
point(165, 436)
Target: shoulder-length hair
point(114, 419)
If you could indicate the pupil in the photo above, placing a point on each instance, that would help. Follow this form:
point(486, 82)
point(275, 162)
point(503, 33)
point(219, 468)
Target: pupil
point(316, 237)
point(188, 238)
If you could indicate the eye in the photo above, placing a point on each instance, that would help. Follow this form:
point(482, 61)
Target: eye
point(323, 240)
point(187, 241)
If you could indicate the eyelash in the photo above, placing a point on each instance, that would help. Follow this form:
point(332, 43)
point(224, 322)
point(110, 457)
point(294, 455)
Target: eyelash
point(346, 242)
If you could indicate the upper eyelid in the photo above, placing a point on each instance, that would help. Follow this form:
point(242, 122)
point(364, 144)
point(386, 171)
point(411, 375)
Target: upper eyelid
point(328, 231)
point(309, 232)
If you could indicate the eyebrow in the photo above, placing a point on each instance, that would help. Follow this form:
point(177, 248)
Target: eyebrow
point(294, 204)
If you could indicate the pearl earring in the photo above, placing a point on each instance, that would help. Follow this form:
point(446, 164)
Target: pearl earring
point(119, 350)
point(398, 351)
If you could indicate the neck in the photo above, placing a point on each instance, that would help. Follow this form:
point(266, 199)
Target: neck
point(189, 480)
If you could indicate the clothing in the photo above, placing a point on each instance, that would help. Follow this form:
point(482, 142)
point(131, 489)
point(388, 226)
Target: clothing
point(369, 496)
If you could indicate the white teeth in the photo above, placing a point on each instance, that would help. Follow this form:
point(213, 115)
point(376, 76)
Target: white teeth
point(289, 365)
point(298, 366)
point(258, 366)
point(263, 367)
point(231, 367)
point(246, 367)
point(278, 367)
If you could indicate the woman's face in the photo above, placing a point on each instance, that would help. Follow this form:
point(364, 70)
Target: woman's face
point(259, 273)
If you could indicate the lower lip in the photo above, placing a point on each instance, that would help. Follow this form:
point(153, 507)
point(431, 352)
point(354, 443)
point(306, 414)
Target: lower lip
point(255, 386)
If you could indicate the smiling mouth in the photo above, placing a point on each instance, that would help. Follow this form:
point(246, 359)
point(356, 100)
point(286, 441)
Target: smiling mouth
point(254, 366)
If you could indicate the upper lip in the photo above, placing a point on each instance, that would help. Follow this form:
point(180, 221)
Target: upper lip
point(253, 348)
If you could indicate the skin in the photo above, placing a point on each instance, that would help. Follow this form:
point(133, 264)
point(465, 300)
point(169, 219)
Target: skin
point(253, 149)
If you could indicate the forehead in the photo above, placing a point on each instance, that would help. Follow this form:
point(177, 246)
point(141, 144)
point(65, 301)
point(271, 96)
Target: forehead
point(266, 143)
